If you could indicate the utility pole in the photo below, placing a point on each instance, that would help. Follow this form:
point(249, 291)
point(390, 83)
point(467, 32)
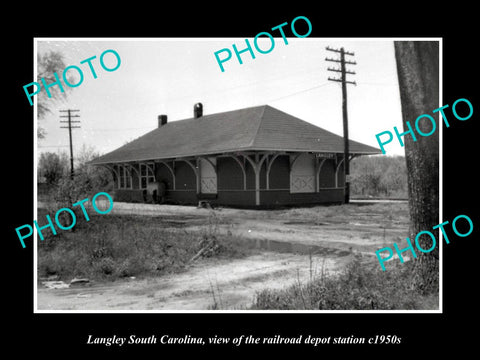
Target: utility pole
point(70, 127)
point(343, 71)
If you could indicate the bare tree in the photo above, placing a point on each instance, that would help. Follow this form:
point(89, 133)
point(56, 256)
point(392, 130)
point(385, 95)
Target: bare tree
point(418, 76)
point(379, 176)
point(49, 63)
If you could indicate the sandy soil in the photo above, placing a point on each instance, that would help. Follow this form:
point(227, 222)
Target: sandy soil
point(284, 239)
point(230, 283)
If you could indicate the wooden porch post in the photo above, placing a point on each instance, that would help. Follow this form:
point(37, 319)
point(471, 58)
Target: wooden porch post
point(257, 167)
point(257, 181)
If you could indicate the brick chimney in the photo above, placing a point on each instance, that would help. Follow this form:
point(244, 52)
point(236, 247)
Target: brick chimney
point(162, 120)
point(197, 110)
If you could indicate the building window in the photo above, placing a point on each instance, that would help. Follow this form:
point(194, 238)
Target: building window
point(125, 177)
point(146, 175)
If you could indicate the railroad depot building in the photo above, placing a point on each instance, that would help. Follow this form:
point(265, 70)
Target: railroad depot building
point(252, 157)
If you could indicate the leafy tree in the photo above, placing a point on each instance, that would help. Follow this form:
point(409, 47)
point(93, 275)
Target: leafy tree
point(100, 178)
point(52, 167)
point(87, 181)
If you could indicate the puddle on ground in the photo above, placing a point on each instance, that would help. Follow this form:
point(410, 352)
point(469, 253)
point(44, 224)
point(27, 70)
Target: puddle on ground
point(305, 223)
point(295, 248)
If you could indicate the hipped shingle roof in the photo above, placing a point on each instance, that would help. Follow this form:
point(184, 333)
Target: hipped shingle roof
point(254, 128)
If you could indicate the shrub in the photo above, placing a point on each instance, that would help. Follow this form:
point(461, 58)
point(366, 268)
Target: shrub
point(105, 266)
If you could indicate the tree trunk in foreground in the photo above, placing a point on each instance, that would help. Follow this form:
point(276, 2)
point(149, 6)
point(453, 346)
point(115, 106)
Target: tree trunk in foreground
point(418, 78)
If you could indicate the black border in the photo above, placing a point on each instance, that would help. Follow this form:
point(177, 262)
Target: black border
point(422, 333)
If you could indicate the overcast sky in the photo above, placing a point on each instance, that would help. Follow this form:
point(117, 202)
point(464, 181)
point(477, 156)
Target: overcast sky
point(168, 76)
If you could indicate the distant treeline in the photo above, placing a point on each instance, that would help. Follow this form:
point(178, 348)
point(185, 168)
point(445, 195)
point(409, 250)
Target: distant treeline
point(379, 176)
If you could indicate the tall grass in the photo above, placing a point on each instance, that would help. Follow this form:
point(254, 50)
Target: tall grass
point(359, 287)
point(115, 246)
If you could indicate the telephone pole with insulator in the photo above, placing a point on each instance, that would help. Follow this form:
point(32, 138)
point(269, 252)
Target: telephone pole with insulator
point(343, 79)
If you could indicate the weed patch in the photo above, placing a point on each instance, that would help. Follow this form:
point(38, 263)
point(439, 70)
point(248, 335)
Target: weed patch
point(116, 246)
point(359, 287)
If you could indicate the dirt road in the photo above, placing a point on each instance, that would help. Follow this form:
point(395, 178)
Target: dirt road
point(231, 284)
point(293, 245)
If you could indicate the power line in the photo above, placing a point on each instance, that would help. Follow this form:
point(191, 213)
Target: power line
point(152, 127)
point(376, 84)
point(51, 146)
point(121, 129)
point(254, 84)
point(301, 91)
